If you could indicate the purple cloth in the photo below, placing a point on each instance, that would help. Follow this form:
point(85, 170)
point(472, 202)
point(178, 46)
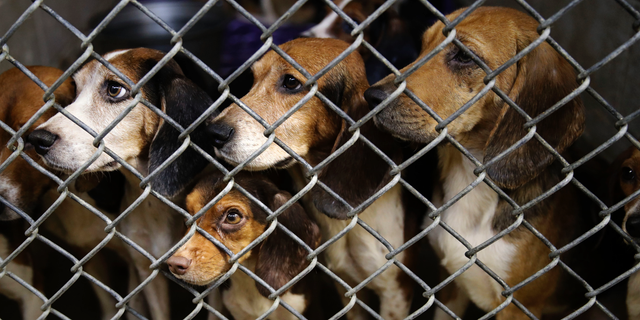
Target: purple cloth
point(241, 39)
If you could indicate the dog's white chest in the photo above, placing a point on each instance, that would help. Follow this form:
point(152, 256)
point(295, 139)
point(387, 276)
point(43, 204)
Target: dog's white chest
point(359, 247)
point(244, 301)
point(472, 217)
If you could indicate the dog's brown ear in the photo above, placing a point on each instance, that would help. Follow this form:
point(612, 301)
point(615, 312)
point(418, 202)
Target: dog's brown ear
point(280, 258)
point(543, 78)
point(184, 102)
point(359, 172)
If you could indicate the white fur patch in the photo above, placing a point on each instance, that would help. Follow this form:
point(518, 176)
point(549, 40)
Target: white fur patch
point(321, 30)
point(10, 192)
point(357, 255)
point(472, 217)
point(114, 54)
point(244, 301)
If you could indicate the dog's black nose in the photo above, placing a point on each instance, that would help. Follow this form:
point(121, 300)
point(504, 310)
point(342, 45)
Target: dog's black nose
point(178, 265)
point(42, 140)
point(633, 226)
point(375, 96)
point(220, 132)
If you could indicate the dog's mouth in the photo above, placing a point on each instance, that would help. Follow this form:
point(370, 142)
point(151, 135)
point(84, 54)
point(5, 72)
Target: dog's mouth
point(632, 226)
point(285, 163)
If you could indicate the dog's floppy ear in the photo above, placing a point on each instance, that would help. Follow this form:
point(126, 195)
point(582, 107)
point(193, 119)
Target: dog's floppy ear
point(359, 172)
point(184, 102)
point(280, 258)
point(390, 35)
point(543, 78)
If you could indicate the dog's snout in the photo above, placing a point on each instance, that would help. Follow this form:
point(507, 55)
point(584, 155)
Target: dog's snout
point(220, 132)
point(178, 265)
point(375, 96)
point(42, 140)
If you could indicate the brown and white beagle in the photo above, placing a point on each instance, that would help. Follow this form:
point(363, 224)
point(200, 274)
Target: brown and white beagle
point(236, 221)
point(142, 139)
point(626, 181)
point(536, 82)
point(314, 132)
point(21, 185)
point(26, 189)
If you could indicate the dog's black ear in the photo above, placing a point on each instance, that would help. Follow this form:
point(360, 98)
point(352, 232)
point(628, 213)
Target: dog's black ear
point(391, 36)
point(280, 258)
point(184, 102)
point(359, 172)
point(543, 78)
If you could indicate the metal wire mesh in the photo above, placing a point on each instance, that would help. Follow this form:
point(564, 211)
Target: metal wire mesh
point(112, 229)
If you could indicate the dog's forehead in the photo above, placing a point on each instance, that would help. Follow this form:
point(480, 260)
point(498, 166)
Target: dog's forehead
point(310, 53)
point(133, 63)
point(486, 26)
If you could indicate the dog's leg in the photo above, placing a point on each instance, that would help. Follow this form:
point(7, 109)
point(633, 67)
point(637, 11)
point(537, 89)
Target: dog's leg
point(215, 300)
point(356, 312)
point(395, 299)
point(155, 292)
point(633, 296)
point(453, 298)
point(138, 302)
point(29, 302)
point(98, 268)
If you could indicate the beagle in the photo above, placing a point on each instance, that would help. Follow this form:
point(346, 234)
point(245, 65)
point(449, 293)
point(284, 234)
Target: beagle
point(236, 221)
point(314, 132)
point(389, 34)
point(25, 188)
point(21, 185)
point(626, 182)
point(445, 83)
point(143, 140)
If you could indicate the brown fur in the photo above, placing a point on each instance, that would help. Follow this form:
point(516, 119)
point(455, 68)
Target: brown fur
point(279, 258)
point(20, 99)
point(314, 132)
point(535, 83)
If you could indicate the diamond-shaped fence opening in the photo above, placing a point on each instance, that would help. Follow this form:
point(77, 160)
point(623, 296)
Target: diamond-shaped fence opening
point(140, 198)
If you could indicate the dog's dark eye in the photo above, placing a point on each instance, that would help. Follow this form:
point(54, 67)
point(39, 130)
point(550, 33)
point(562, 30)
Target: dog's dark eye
point(627, 174)
point(233, 217)
point(462, 57)
point(115, 90)
point(291, 83)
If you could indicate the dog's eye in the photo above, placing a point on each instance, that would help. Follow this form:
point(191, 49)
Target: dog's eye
point(627, 174)
point(291, 83)
point(115, 90)
point(233, 217)
point(462, 57)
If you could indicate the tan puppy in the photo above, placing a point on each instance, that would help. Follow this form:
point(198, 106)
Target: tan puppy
point(236, 221)
point(445, 83)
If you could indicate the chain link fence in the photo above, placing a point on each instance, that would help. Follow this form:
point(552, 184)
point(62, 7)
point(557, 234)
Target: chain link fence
point(125, 305)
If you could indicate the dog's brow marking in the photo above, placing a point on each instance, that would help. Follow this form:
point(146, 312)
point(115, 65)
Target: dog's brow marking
point(114, 54)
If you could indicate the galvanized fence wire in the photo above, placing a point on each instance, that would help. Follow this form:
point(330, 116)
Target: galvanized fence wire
point(16, 145)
